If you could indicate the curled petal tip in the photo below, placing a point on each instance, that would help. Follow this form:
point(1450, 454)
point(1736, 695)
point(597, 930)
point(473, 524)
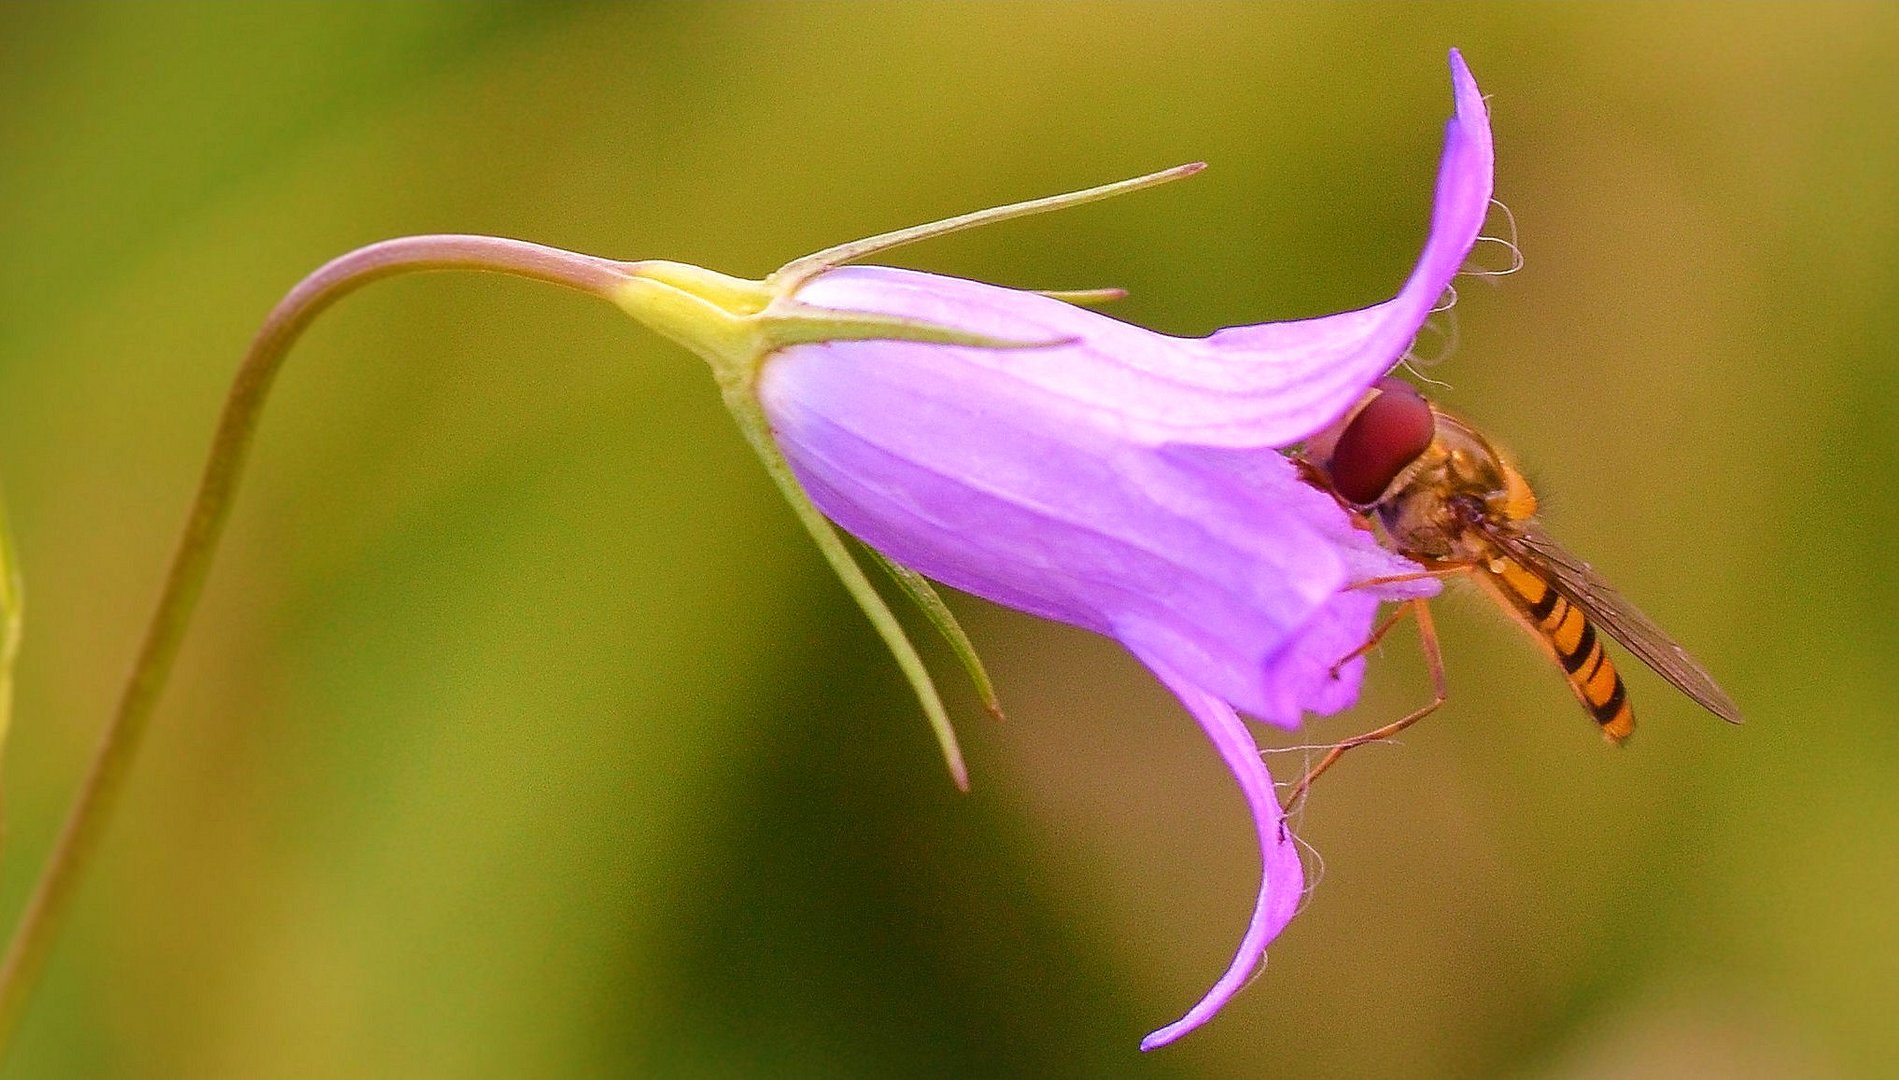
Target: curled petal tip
point(1282, 877)
point(1470, 100)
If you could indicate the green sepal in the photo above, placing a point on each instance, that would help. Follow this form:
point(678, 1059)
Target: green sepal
point(757, 430)
point(924, 595)
point(804, 324)
point(735, 343)
point(1085, 297)
point(788, 277)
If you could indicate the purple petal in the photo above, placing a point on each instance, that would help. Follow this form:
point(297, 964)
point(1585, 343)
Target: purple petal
point(1282, 878)
point(1303, 673)
point(1325, 364)
point(1126, 478)
point(1272, 384)
point(1156, 388)
point(1298, 678)
point(1003, 489)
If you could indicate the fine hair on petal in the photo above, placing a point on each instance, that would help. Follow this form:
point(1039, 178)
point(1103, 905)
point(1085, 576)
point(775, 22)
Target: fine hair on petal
point(1315, 863)
point(1507, 242)
point(1417, 372)
point(1444, 326)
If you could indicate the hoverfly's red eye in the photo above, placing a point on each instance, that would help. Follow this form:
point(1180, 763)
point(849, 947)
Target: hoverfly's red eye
point(1385, 436)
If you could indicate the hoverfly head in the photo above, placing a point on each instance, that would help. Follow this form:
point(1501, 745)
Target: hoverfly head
point(1380, 442)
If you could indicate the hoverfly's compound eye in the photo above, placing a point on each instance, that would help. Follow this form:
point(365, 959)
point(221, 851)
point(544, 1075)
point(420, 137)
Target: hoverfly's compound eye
point(1387, 434)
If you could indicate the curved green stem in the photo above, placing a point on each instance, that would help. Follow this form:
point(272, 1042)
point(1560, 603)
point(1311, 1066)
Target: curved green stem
point(118, 745)
point(11, 605)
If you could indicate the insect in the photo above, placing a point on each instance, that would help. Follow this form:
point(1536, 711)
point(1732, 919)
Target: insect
point(1444, 497)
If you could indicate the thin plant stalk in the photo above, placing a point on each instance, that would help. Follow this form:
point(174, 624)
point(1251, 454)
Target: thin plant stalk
point(11, 604)
point(104, 782)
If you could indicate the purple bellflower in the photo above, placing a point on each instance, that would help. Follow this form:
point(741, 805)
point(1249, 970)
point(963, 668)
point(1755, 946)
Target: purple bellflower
point(1052, 459)
point(1012, 444)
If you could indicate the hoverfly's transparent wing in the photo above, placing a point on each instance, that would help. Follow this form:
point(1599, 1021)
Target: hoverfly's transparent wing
point(1619, 618)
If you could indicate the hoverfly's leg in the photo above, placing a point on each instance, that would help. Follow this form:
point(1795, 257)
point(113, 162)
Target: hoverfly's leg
point(1377, 636)
point(1399, 579)
point(1433, 660)
point(1314, 476)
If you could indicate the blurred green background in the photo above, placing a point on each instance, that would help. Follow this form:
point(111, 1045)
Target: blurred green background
point(523, 734)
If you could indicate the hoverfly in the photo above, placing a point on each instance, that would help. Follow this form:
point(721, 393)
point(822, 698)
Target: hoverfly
point(1445, 498)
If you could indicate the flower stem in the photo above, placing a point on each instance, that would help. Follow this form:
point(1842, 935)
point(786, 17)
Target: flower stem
point(104, 781)
point(10, 615)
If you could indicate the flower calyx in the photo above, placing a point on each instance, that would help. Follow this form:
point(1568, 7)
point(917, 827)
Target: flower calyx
point(735, 323)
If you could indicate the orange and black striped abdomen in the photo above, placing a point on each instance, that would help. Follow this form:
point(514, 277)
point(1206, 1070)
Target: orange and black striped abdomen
point(1571, 638)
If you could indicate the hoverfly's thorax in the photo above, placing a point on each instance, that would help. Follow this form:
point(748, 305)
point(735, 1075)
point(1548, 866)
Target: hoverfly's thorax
point(1434, 511)
point(1434, 483)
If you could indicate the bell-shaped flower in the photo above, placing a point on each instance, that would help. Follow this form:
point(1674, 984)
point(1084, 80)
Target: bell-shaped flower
point(1012, 444)
point(1058, 461)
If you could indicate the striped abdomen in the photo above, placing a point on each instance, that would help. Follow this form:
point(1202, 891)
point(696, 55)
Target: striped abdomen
point(1571, 637)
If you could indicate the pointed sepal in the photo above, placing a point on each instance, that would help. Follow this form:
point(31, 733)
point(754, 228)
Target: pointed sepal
point(1085, 297)
point(795, 273)
point(751, 421)
point(924, 595)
